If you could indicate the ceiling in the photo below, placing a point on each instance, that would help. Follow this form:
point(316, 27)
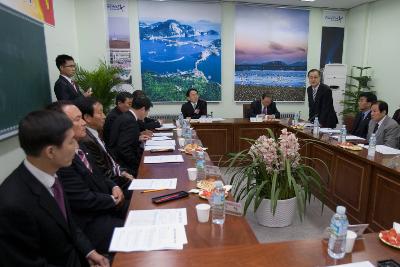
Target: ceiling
point(334, 4)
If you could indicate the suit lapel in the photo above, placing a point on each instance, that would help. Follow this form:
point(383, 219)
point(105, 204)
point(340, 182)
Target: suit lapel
point(71, 87)
point(46, 201)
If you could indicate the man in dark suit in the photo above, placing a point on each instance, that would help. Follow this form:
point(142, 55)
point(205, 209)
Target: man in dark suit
point(97, 203)
point(123, 102)
point(320, 102)
point(65, 88)
point(147, 124)
point(194, 107)
point(125, 138)
point(386, 129)
point(361, 121)
point(265, 106)
point(36, 224)
point(92, 112)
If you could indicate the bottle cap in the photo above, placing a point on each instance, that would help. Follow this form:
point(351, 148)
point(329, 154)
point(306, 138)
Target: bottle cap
point(341, 210)
point(218, 184)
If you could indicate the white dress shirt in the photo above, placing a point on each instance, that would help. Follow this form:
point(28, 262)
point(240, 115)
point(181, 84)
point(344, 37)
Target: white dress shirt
point(44, 178)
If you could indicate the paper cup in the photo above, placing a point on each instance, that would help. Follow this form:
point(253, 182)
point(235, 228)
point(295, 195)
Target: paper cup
point(203, 212)
point(181, 141)
point(192, 173)
point(179, 132)
point(350, 239)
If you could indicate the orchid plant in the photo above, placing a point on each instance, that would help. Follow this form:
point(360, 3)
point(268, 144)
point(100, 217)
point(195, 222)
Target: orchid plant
point(273, 168)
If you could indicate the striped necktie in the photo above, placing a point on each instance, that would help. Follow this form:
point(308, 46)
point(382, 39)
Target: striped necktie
point(84, 159)
point(314, 93)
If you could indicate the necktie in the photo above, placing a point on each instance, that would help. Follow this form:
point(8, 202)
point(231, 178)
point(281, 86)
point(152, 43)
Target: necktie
point(376, 128)
point(59, 196)
point(74, 85)
point(83, 158)
point(265, 110)
point(314, 93)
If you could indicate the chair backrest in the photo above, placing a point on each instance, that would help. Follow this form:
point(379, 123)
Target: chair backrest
point(246, 110)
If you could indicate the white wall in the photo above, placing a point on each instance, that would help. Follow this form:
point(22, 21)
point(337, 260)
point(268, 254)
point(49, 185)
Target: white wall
point(373, 40)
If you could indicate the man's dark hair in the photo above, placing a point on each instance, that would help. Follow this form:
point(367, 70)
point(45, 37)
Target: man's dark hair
point(42, 128)
point(86, 105)
point(314, 70)
point(140, 102)
point(189, 90)
point(61, 59)
point(266, 95)
point(138, 93)
point(122, 97)
point(371, 98)
point(382, 106)
point(59, 105)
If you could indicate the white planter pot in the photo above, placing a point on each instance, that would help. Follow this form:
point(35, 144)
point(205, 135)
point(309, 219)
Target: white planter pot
point(285, 211)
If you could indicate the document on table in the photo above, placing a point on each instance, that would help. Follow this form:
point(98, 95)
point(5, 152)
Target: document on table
point(163, 159)
point(348, 137)
point(167, 126)
point(146, 238)
point(161, 143)
point(328, 130)
point(163, 134)
point(160, 138)
point(147, 184)
point(156, 217)
point(148, 148)
point(385, 150)
point(356, 264)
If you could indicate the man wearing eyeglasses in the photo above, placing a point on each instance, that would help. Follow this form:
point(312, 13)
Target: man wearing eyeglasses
point(65, 87)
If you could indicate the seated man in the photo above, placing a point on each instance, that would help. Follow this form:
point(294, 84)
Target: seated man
point(123, 102)
point(148, 123)
point(125, 138)
point(36, 224)
point(361, 121)
point(92, 112)
point(386, 130)
point(97, 203)
point(396, 116)
point(195, 107)
point(265, 106)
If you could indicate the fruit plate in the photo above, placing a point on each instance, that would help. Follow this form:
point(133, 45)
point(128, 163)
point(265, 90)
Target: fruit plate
point(386, 242)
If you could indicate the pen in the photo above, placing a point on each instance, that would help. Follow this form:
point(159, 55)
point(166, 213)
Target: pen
point(152, 190)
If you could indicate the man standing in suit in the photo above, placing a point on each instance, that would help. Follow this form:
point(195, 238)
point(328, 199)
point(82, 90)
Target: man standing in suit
point(36, 224)
point(65, 88)
point(125, 137)
point(195, 107)
point(361, 121)
point(123, 102)
point(320, 102)
point(387, 131)
point(97, 203)
point(92, 112)
point(265, 106)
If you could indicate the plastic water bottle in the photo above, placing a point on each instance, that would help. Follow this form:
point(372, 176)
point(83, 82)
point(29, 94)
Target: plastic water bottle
point(338, 229)
point(296, 119)
point(316, 127)
point(372, 146)
point(218, 203)
point(180, 120)
point(200, 165)
point(343, 133)
point(185, 128)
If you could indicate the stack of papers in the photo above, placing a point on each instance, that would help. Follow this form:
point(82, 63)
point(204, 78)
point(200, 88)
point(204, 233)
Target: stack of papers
point(160, 143)
point(167, 126)
point(163, 134)
point(147, 230)
point(148, 148)
point(385, 150)
point(328, 130)
point(147, 184)
point(160, 138)
point(163, 159)
point(348, 137)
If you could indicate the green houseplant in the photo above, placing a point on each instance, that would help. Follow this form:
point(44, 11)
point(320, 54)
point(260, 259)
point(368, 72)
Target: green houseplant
point(357, 85)
point(101, 80)
point(273, 169)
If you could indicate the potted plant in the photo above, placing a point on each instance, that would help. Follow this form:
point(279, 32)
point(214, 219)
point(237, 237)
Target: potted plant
point(357, 85)
point(274, 177)
point(101, 80)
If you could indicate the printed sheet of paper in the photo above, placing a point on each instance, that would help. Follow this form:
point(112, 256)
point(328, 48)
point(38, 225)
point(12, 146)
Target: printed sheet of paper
point(348, 137)
point(161, 143)
point(163, 134)
point(147, 184)
point(156, 217)
point(148, 148)
point(386, 150)
point(163, 159)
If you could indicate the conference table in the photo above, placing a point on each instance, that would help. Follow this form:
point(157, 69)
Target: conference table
point(233, 243)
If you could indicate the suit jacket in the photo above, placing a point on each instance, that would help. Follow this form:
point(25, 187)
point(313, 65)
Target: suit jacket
point(255, 109)
point(33, 231)
point(188, 110)
point(64, 90)
point(396, 116)
point(148, 124)
point(89, 193)
point(322, 107)
point(124, 142)
point(388, 133)
point(108, 124)
point(360, 125)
